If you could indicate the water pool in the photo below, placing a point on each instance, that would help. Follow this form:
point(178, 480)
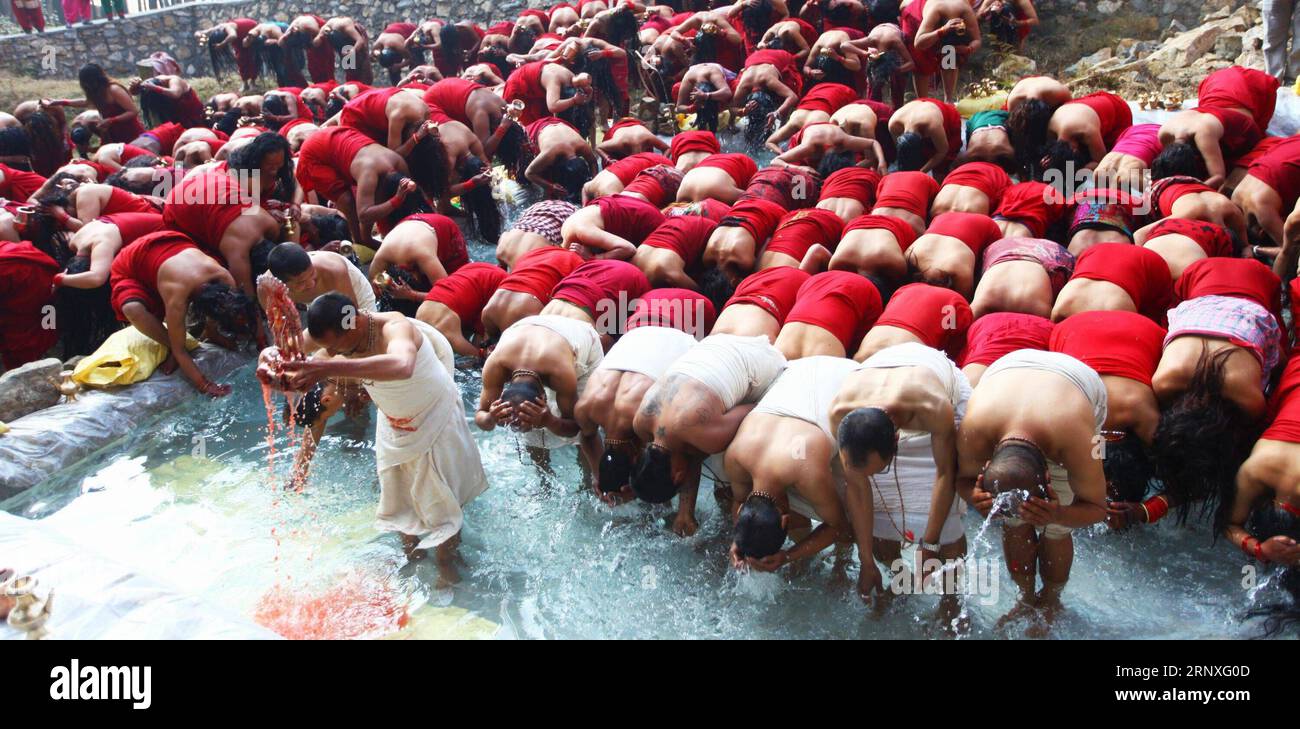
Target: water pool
point(190, 500)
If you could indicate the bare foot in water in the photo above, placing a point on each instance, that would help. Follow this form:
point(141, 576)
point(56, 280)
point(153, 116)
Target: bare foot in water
point(409, 542)
point(1025, 608)
point(445, 556)
point(951, 619)
point(1049, 608)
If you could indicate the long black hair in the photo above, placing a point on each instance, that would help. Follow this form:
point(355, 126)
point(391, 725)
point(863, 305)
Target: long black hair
point(295, 46)
point(222, 59)
point(880, 73)
point(1266, 522)
point(414, 203)
point(269, 59)
point(15, 142)
point(1202, 439)
point(514, 151)
point(46, 140)
point(1003, 25)
point(248, 159)
point(756, 19)
point(479, 202)
point(706, 112)
point(429, 166)
point(86, 316)
point(756, 128)
point(227, 307)
point(156, 108)
point(1027, 126)
point(1179, 159)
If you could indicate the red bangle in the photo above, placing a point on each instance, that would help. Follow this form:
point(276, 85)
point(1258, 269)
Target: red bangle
point(470, 184)
point(1259, 551)
point(1157, 507)
point(607, 53)
point(58, 279)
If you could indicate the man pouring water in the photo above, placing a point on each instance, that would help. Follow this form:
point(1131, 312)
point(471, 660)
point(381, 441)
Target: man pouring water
point(429, 466)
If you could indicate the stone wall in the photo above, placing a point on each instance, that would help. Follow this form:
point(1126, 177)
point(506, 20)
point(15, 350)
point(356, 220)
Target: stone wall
point(58, 53)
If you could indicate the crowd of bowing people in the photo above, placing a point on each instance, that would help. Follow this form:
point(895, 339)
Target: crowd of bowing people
point(931, 309)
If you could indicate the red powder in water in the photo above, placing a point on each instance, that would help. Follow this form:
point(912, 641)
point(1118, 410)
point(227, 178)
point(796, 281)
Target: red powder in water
point(353, 607)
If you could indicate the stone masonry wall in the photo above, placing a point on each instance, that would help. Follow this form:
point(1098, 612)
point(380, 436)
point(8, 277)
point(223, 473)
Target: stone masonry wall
point(60, 52)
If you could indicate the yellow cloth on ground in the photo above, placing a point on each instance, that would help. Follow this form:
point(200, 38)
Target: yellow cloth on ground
point(125, 358)
point(970, 105)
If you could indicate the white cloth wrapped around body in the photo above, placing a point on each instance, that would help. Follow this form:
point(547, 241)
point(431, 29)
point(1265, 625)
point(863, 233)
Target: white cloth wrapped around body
point(647, 351)
point(365, 295)
point(429, 466)
point(584, 342)
point(737, 369)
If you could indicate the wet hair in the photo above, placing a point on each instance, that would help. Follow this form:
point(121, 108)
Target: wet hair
point(706, 48)
point(1179, 159)
point(81, 136)
point(614, 470)
point(706, 112)
point(15, 142)
point(95, 83)
point(838, 15)
point(259, 257)
point(1060, 155)
point(776, 43)
point(1201, 441)
point(1015, 465)
point(330, 228)
point(512, 151)
point(226, 306)
point(1027, 127)
point(391, 60)
point(1003, 25)
point(295, 46)
point(275, 104)
point(429, 166)
point(229, 121)
point(496, 56)
point(835, 161)
point(910, 152)
point(865, 431)
point(716, 287)
point(46, 140)
point(880, 73)
point(756, 121)
point(652, 478)
point(333, 105)
point(581, 116)
point(413, 279)
point(523, 38)
point(288, 260)
point(268, 59)
point(621, 26)
point(519, 391)
point(414, 204)
point(328, 313)
point(884, 11)
point(603, 83)
point(222, 59)
point(248, 158)
point(479, 202)
point(85, 316)
point(1128, 469)
point(834, 70)
point(126, 182)
point(450, 45)
point(309, 407)
point(571, 174)
point(1267, 521)
point(155, 108)
point(758, 532)
point(756, 18)
point(339, 40)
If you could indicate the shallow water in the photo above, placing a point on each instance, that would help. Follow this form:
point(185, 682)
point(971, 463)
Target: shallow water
point(191, 501)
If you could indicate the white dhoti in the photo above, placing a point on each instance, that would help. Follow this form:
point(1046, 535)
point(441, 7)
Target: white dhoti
point(901, 498)
point(364, 295)
point(429, 466)
point(584, 342)
point(441, 347)
point(737, 369)
point(647, 351)
point(1088, 382)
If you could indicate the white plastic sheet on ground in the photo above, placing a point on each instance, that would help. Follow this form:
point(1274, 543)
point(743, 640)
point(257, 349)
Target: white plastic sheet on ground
point(98, 598)
point(1286, 117)
point(39, 445)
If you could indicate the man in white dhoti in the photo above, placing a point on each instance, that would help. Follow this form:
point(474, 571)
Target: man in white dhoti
point(782, 461)
point(895, 419)
point(610, 402)
point(429, 466)
point(1034, 426)
point(694, 410)
point(533, 378)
